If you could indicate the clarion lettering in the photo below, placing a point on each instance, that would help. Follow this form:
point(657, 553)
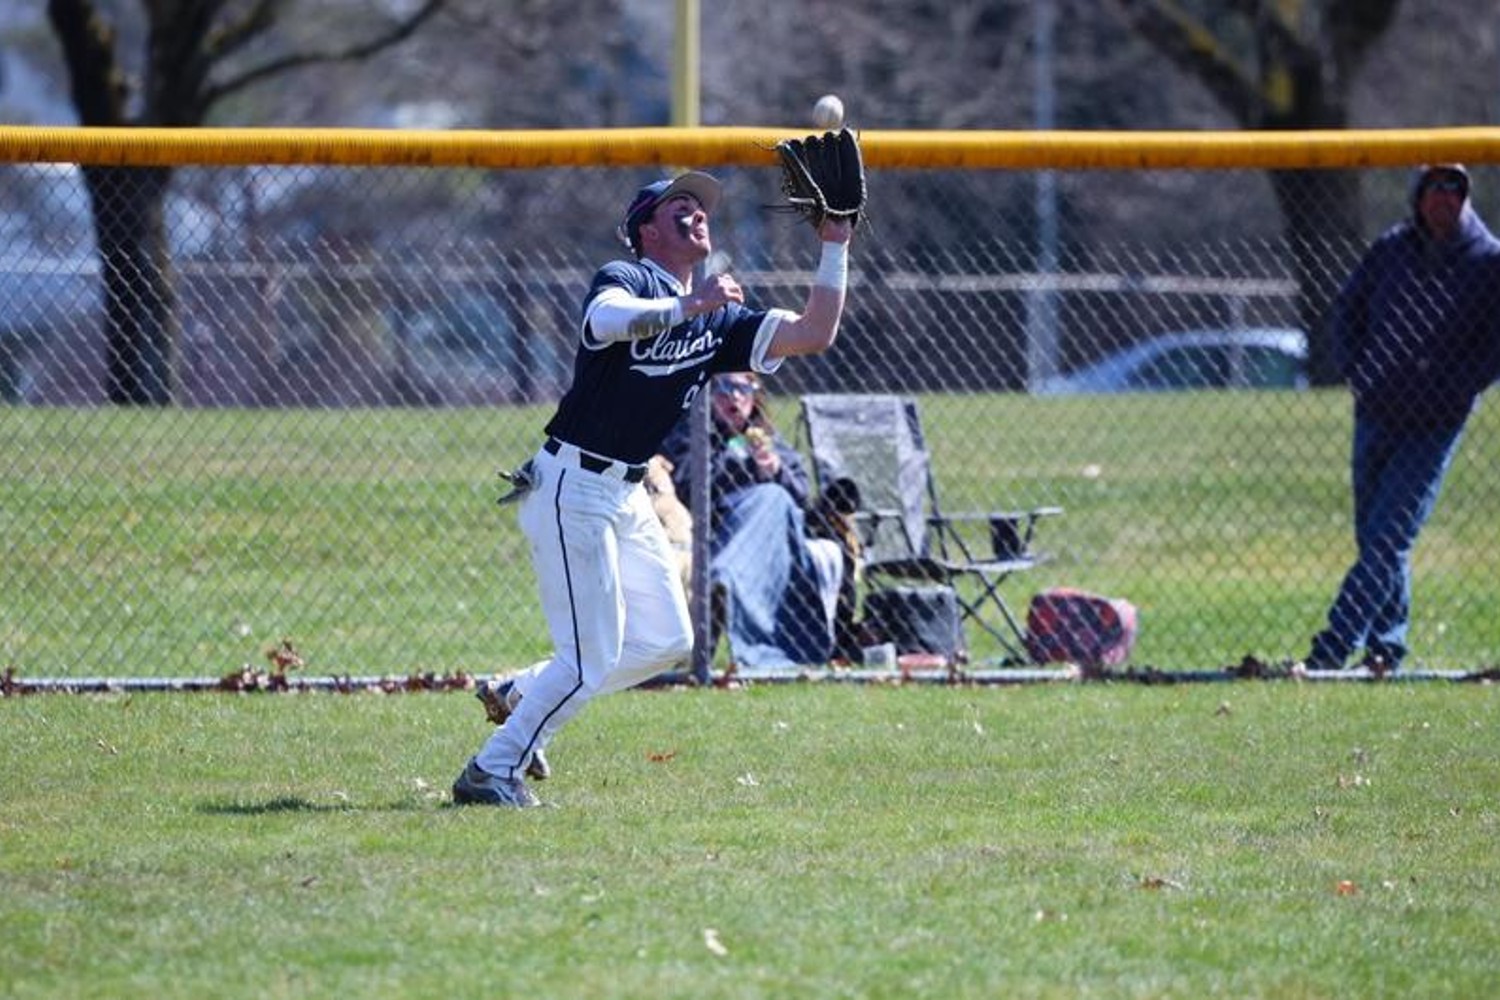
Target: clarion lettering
point(668, 348)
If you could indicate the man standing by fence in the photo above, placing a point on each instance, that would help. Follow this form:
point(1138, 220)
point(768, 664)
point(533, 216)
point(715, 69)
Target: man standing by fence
point(1417, 331)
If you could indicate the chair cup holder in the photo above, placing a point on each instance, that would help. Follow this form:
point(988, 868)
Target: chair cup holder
point(1006, 538)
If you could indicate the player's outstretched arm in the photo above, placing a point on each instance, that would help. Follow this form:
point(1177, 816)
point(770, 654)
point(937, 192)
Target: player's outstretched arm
point(817, 326)
point(616, 315)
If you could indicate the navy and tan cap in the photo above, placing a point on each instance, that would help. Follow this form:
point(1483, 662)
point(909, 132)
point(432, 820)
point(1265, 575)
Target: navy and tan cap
point(700, 185)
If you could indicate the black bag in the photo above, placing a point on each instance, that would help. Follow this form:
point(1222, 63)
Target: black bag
point(916, 620)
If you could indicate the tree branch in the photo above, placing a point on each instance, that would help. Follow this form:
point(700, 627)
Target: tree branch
point(1189, 43)
point(1272, 24)
point(1355, 26)
point(177, 64)
point(233, 36)
point(398, 32)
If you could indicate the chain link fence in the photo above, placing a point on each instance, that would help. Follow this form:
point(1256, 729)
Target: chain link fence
point(337, 361)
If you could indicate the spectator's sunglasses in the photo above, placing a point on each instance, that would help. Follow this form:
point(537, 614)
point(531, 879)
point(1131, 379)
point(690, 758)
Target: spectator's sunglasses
point(731, 386)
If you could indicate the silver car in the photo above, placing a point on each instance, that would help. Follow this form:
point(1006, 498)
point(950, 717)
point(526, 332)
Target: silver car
point(1246, 358)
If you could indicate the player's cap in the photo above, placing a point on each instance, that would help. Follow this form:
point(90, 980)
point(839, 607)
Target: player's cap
point(700, 185)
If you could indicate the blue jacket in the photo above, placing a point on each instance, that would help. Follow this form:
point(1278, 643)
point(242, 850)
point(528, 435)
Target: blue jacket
point(1417, 325)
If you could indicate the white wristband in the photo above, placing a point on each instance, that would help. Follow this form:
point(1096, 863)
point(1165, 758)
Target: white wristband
point(833, 266)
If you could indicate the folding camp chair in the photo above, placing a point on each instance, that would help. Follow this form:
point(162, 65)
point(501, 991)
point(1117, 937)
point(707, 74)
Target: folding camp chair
point(877, 442)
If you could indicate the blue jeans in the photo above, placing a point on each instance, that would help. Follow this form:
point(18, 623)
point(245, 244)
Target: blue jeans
point(761, 557)
point(1396, 477)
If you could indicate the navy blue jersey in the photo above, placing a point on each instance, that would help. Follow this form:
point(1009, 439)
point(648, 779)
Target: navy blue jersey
point(626, 395)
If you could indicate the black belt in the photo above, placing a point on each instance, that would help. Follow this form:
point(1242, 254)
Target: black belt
point(597, 465)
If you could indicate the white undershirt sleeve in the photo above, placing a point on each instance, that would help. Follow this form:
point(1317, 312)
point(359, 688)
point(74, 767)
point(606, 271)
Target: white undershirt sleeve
point(616, 315)
point(763, 337)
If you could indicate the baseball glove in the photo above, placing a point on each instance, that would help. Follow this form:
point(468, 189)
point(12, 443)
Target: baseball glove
point(823, 176)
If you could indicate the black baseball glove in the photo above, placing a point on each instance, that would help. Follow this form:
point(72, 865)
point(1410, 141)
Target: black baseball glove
point(823, 176)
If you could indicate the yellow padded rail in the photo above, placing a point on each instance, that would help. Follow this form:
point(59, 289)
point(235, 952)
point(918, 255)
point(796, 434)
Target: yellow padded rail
point(745, 146)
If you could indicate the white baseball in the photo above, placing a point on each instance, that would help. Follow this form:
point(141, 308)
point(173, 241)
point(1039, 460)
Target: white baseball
point(828, 113)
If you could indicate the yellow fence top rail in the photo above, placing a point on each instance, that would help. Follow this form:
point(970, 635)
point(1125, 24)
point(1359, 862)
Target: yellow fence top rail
point(745, 146)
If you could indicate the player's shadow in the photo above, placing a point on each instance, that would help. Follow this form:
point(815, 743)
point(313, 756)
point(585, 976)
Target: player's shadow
point(299, 804)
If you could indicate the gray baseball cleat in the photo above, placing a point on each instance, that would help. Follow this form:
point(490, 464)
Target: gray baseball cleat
point(476, 787)
point(537, 767)
point(499, 699)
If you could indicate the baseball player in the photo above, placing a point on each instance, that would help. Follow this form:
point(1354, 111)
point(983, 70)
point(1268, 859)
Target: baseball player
point(652, 336)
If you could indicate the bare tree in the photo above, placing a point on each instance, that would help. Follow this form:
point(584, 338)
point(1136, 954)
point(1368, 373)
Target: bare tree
point(1283, 65)
point(196, 54)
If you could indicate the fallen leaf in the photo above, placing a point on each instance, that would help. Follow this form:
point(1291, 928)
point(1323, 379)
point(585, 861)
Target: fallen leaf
point(1346, 888)
point(661, 756)
point(283, 657)
point(712, 943)
point(1159, 882)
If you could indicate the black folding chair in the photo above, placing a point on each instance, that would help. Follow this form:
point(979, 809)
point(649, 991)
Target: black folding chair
point(877, 442)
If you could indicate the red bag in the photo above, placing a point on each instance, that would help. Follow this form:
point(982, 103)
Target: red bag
point(1064, 624)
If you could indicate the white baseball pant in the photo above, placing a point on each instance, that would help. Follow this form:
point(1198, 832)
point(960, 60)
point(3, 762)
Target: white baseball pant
point(611, 595)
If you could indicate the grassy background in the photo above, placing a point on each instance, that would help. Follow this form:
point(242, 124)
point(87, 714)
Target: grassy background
point(838, 841)
point(184, 543)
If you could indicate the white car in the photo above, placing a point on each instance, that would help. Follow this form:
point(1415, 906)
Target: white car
point(1246, 358)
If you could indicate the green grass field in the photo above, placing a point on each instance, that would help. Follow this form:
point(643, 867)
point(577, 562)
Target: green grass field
point(778, 841)
point(184, 543)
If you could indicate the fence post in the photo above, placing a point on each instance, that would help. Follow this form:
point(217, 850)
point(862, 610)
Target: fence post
point(701, 598)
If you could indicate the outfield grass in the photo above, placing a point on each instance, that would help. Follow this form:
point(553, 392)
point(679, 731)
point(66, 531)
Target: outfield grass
point(185, 543)
point(793, 841)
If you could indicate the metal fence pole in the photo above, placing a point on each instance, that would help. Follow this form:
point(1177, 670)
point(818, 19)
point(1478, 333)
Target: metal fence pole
point(701, 598)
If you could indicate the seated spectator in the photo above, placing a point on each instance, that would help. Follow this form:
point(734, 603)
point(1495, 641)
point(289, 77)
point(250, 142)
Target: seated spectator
point(780, 587)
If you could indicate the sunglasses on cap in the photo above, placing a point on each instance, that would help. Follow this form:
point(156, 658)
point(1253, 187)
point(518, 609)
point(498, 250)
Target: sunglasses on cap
point(1450, 184)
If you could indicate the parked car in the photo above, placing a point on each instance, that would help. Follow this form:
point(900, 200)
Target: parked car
point(1249, 358)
